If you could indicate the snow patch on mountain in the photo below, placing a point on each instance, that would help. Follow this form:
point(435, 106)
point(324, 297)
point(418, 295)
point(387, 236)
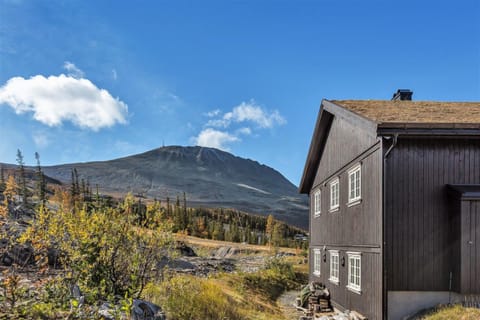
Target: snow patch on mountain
point(252, 188)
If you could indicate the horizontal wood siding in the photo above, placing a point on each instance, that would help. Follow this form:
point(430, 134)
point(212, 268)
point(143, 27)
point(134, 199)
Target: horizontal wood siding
point(354, 228)
point(420, 229)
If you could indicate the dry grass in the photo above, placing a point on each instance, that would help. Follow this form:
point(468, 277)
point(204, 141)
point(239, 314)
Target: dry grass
point(455, 312)
point(415, 111)
point(242, 247)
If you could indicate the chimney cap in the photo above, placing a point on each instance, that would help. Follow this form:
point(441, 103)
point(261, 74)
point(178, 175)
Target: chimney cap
point(403, 94)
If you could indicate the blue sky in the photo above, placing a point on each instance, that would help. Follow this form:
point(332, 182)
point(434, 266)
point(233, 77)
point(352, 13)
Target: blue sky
point(96, 80)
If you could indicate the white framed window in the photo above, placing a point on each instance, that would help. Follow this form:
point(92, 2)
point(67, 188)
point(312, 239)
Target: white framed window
point(317, 260)
point(354, 271)
point(334, 194)
point(354, 184)
point(334, 266)
point(317, 203)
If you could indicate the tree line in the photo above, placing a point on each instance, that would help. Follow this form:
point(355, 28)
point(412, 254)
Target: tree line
point(209, 223)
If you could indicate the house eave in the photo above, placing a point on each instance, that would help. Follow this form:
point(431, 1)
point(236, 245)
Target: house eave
point(320, 133)
point(328, 110)
point(422, 129)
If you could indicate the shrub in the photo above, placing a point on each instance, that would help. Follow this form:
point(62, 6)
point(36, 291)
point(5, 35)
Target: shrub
point(277, 276)
point(105, 251)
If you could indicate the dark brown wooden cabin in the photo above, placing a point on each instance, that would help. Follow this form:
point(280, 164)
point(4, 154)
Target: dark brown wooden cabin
point(395, 204)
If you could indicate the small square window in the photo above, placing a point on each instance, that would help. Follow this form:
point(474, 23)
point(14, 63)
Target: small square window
point(354, 184)
point(334, 194)
point(354, 271)
point(317, 259)
point(317, 203)
point(334, 266)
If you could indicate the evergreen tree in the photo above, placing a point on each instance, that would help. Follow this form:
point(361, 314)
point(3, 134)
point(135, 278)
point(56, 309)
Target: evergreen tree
point(2, 179)
point(40, 183)
point(77, 184)
point(278, 234)
point(22, 178)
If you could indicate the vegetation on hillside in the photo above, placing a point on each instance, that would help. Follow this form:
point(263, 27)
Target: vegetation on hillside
point(227, 296)
point(73, 250)
point(454, 312)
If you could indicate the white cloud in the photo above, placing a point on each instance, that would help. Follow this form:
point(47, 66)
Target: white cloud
point(63, 98)
point(41, 140)
point(213, 113)
point(247, 112)
point(215, 139)
point(246, 131)
point(218, 123)
point(72, 70)
point(250, 111)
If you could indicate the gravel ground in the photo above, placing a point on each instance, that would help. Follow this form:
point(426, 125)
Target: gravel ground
point(286, 302)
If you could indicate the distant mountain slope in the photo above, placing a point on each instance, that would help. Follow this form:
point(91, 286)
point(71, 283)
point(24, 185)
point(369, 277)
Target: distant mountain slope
point(210, 178)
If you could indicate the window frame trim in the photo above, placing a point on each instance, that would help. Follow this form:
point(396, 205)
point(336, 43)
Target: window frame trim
point(315, 252)
point(352, 286)
point(315, 212)
point(352, 170)
point(337, 205)
point(332, 279)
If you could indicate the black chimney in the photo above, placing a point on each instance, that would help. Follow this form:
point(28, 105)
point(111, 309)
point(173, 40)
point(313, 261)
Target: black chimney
point(402, 94)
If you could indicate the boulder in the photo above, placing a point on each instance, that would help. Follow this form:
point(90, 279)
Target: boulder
point(185, 250)
point(144, 310)
point(141, 310)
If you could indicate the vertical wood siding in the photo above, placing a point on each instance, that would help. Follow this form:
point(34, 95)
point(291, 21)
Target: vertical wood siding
point(470, 247)
point(420, 226)
point(354, 228)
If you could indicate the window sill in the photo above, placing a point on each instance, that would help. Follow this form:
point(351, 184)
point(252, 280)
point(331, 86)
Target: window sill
point(316, 215)
point(333, 209)
point(317, 274)
point(334, 281)
point(354, 202)
point(354, 289)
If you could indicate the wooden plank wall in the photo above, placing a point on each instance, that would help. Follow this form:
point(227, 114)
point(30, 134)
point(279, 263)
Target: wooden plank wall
point(419, 229)
point(470, 247)
point(352, 228)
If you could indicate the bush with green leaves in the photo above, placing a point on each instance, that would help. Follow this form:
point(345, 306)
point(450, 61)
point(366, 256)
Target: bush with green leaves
point(105, 251)
point(277, 276)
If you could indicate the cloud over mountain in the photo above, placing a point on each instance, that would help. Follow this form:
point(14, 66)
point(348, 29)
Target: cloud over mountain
point(214, 138)
point(249, 113)
point(56, 99)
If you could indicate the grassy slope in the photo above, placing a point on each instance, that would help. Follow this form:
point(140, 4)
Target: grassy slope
point(455, 312)
point(244, 295)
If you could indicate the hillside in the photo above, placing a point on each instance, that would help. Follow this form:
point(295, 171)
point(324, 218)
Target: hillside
point(209, 177)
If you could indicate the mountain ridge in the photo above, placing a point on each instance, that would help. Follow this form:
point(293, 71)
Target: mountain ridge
point(209, 177)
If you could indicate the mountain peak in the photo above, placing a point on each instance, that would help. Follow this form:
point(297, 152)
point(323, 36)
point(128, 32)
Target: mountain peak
point(210, 178)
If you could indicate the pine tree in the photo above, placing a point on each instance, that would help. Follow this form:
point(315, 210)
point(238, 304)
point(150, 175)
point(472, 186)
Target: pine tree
point(22, 178)
point(2, 179)
point(278, 234)
point(40, 183)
